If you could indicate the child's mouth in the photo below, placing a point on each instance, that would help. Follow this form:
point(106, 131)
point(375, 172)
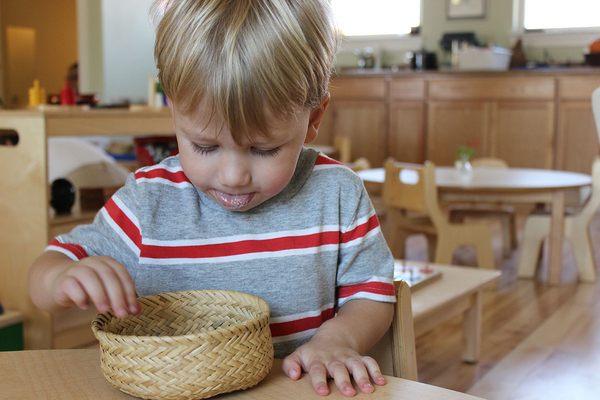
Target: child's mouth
point(233, 201)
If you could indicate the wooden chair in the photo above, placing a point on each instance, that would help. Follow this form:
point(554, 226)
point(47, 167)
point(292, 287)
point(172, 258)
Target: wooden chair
point(596, 109)
point(395, 352)
point(507, 215)
point(411, 201)
point(343, 149)
point(537, 228)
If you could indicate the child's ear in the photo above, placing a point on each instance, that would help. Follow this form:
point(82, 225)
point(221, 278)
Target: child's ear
point(315, 119)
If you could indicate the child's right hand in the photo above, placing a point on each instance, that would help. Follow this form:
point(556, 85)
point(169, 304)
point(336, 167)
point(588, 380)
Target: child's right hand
point(98, 280)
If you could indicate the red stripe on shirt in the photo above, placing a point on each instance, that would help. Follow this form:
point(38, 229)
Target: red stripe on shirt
point(242, 247)
point(361, 230)
point(176, 177)
point(321, 160)
point(386, 289)
point(76, 249)
point(123, 221)
point(301, 325)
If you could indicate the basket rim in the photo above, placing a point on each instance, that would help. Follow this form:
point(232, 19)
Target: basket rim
point(264, 306)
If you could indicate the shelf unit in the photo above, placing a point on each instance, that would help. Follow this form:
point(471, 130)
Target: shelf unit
point(26, 225)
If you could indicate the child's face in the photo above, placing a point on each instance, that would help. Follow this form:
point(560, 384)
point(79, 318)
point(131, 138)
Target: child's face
point(240, 177)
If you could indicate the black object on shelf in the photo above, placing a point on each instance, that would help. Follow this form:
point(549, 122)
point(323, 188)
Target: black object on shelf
point(62, 196)
point(1, 309)
point(460, 37)
point(592, 59)
point(423, 60)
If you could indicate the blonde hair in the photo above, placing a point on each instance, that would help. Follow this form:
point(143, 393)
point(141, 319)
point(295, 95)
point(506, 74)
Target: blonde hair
point(246, 59)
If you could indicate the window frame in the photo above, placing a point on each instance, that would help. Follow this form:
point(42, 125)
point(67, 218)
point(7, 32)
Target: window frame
point(388, 37)
point(555, 37)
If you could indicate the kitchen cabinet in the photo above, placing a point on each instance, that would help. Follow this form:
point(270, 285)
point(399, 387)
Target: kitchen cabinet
point(577, 140)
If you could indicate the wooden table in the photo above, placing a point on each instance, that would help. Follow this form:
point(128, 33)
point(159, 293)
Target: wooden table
point(458, 291)
point(511, 185)
point(75, 374)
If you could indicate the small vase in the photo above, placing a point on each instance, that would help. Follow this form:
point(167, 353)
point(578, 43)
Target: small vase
point(465, 169)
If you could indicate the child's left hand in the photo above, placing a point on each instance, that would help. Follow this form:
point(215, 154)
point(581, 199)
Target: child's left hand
point(321, 358)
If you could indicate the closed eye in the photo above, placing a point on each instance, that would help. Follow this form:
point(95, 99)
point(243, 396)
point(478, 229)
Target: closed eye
point(203, 149)
point(265, 153)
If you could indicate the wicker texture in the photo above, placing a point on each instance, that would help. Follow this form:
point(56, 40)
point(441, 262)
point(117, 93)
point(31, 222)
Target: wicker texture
point(187, 345)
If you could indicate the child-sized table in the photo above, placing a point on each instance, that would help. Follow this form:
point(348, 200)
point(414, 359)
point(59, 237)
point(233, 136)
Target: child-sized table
point(75, 374)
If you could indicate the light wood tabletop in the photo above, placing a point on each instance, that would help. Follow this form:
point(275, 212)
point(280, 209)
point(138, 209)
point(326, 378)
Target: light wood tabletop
point(505, 186)
point(75, 374)
point(458, 291)
point(492, 179)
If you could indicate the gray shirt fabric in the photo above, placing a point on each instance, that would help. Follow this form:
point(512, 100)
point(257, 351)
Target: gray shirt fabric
point(306, 251)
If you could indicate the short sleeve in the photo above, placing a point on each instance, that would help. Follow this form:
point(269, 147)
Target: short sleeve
point(115, 231)
point(366, 264)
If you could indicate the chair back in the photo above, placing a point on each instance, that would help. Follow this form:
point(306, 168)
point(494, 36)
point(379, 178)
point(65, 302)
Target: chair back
point(411, 187)
point(593, 203)
point(596, 109)
point(360, 164)
point(489, 162)
point(404, 357)
point(343, 147)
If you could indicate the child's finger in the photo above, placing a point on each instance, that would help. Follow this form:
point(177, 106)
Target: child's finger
point(318, 378)
point(114, 290)
point(292, 367)
point(127, 284)
point(374, 370)
point(360, 374)
point(91, 283)
point(339, 373)
point(71, 292)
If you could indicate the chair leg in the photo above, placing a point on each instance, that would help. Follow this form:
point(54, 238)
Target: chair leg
point(582, 248)
point(514, 236)
point(536, 229)
point(505, 220)
point(444, 250)
point(485, 251)
point(431, 246)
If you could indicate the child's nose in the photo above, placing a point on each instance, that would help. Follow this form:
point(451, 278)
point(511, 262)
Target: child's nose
point(235, 174)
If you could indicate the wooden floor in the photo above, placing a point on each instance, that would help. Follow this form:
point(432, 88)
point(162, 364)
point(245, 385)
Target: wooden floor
point(539, 341)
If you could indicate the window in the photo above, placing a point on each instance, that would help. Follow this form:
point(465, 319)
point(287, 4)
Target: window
point(561, 14)
point(376, 17)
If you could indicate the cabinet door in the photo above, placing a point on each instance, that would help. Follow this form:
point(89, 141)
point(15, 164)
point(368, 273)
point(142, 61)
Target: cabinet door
point(406, 138)
point(577, 137)
point(452, 124)
point(364, 122)
point(522, 133)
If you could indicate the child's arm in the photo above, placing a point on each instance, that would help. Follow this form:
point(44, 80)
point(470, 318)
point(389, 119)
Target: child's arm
point(337, 347)
point(56, 281)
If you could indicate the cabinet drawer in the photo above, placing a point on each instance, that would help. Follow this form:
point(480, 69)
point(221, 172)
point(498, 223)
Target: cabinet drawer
point(577, 87)
point(518, 88)
point(407, 89)
point(358, 88)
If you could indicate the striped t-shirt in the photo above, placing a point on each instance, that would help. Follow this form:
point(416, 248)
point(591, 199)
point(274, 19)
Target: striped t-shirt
point(306, 251)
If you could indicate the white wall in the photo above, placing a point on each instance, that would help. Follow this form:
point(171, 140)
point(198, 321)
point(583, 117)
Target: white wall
point(116, 48)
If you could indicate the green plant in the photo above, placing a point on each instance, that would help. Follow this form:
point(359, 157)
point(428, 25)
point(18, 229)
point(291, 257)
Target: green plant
point(465, 153)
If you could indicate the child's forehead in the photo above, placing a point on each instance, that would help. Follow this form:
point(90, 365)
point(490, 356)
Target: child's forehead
point(202, 124)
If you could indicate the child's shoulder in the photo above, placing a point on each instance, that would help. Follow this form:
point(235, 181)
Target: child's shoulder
point(327, 170)
point(168, 172)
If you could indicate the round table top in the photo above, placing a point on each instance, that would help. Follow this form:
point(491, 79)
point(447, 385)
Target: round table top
point(497, 179)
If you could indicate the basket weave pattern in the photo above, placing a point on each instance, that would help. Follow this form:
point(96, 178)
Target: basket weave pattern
point(187, 345)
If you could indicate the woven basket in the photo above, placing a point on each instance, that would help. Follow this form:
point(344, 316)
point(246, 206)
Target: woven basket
point(187, 345)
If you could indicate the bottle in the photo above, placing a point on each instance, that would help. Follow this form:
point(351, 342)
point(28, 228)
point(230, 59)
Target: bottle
point(37, 94)
point(67, 95)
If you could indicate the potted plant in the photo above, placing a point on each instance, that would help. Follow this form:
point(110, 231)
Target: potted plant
point(464, 154)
